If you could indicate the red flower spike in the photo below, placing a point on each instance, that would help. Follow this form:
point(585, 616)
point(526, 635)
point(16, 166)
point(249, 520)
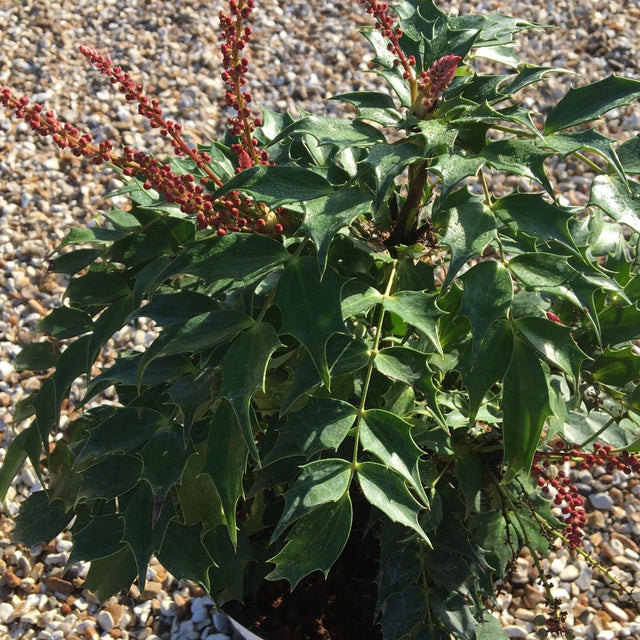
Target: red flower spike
point(432, 83)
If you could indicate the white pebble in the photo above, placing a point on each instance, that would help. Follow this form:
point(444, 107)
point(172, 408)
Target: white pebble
point(217, 636)
point(515, 632)
point(56, 558)
point(64, 545)
point(5, 611)
point(105, 620)
point(569, 573)
point(199, 610)
point(601, 501)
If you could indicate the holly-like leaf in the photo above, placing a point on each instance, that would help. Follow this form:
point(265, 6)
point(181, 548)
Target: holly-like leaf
point(310, 308)
point(101, 537)
point(487, 296)
point(385, 489)
point(110, 575)
point(388, 437)
point(96, 288)
point(616, 367)
point(174, 308)
point(629, 154)
point(618, 200)
point(315, 542)
point(531, 214)
point(127, 428)
point(40, 520)
point(469, 472)
point(26, 444)
point(278, 185)
point(554, 343)
point(417, 309)
point(374, 106)
point(225, 462)
point(525, 407)
point(111, 477)
point(388, 161)
point(321, 424)
point(468, 228)
point(64, 322)
point(164, 458)
point(243, 371)
point(589, 102)
point(319, 482)
point(138, 531)
point(37, 356)
point(183, 554)
point(325, 216)
point(453, 168)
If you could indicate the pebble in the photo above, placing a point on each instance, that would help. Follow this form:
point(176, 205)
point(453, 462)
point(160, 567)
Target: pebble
point(44, 193)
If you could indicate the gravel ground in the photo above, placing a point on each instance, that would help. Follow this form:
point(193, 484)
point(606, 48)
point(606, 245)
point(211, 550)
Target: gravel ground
point(303, 52)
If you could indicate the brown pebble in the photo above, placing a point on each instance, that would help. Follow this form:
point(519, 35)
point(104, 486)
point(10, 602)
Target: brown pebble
point(116, 611)
point(37, 307)
point(65, 608)
point(151, 590)
point(627, 542)
point(532, 597)
point(10, 579)
point(596, 520)
point(617, 496)
point(116, 633)
point(59, 585)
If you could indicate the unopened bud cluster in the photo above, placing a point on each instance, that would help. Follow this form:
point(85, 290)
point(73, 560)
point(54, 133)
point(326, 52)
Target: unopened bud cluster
point(433, 82)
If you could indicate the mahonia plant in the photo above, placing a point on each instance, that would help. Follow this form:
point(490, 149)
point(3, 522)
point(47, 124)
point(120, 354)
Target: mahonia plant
point(352, 312)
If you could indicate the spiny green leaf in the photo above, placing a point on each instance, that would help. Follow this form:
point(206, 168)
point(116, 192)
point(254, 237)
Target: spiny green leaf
point(319, 482)
point(616, 367)
point(74, 261)
point(388, 437)
point(525, 407)
point(278, 185)
point(322, 423)
point(620, 323)
point(243, 372)
point(554, 343)
point(388, 161)
point(37, 356)
point(40, 520)
point(629, 154)
point(453, 168)
point(531, 214)
point(468, 228)
point(225, 462)
point(469, 472)
point(64, 322)
point(618, 200)
point(96, 288)
point(127, 428)
point(26, 443)
point(417, 309)
point(589, 102)
point(101, 537)
point(138, 532)
point(315, 542)
point(386, 490)
point(487, 296)
point(164, 457)
point(371, 105)
point(489, 364)
point(174, 308)
point(112, 476)
point(310, 308)
point(325, 216)
point(183, 554)
point(337, 132)
point(110, 575)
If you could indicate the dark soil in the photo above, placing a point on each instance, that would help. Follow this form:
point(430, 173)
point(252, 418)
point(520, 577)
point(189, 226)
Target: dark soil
point(342, 607)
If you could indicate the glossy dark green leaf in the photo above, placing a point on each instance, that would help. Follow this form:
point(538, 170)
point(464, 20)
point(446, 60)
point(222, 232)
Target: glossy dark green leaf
point(109, 575)
point(403, 612)
point(618, 200)
point(629, 154)
point(469, 472)
point(453, 168)
point(278, 185)
point(525, 407)
point(40, 520)
point(337, 132)
point(388, 437)
point(315, 542)
point(26, 444)
point(520, 157)
point(454, 612)
point(138, 531)
point(74, 261)
point(310, 308)
point(531, 214)
point(486, 297)
point(243, 372)
point(417, 309)
point(591, 101)
point(96, 288)
point(101, 537)
point(489, 365)
point(183, 554)
point(319, 482)
point(164, 458)
point(554, 343)
point(620, 323)
point(174, 308)
point(321, 424)
point(468, 227)
point(92, 235)
point(325, 216)
point(64, 322)
point(388, 161)
point(37, 356)
point(127, 428)
point(110, 477)
point(235, 256)
point(358, 299)
point(371, 105)
point(490, 629)
point(386, 490)
point(225, 463)
point(616, 367)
